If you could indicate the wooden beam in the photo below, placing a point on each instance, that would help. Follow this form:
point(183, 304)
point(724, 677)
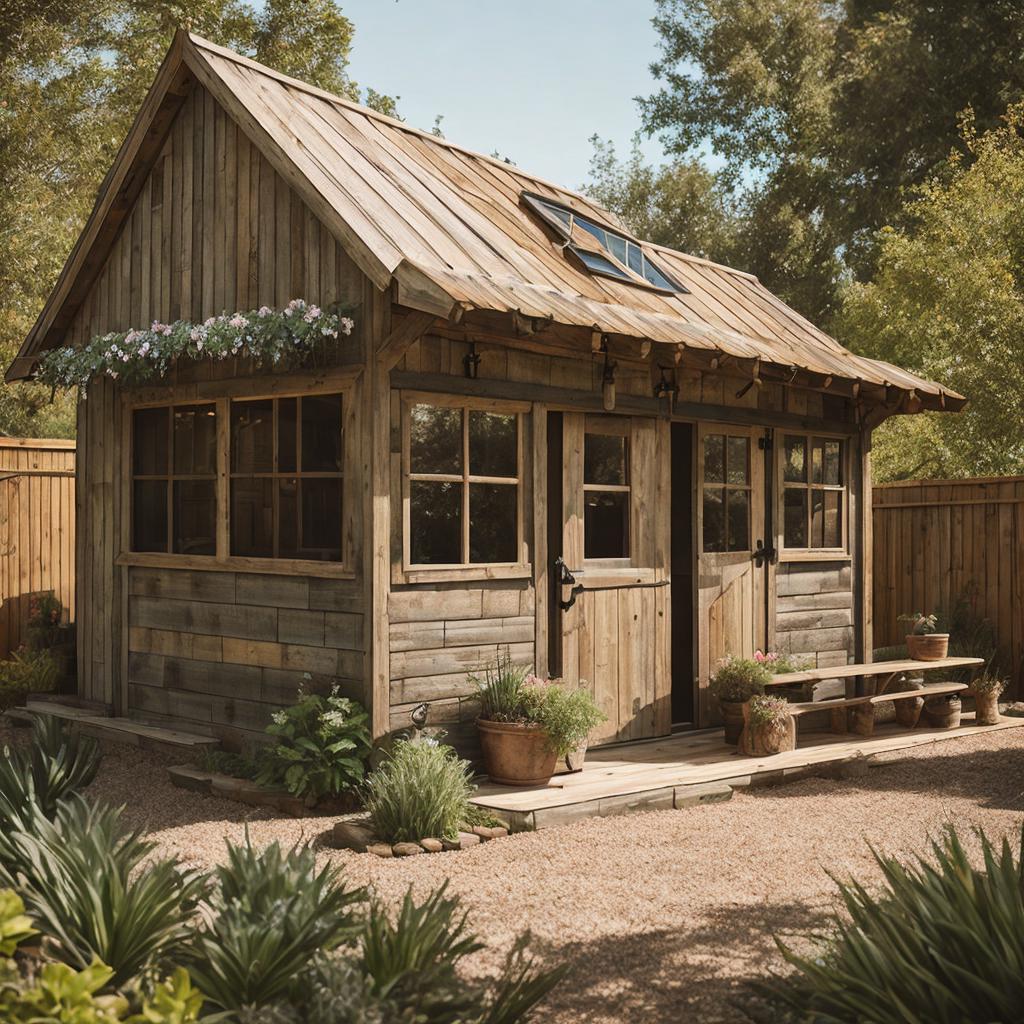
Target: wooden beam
point(409, 330)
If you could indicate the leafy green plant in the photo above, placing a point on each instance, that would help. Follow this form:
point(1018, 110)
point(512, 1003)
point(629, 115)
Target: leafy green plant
point(738, 679)
point(268, 915)
point(943, 943)
point(58, 761)
point(15, 925)
point(80, 876)
point(322, 746)
point(766, 710)
point(567, 715)
point(24, 672)
point(420, 790)
point(500, 689)
point(921, 624)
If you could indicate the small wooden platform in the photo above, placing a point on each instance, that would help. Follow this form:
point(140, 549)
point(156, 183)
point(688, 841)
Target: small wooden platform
point(683, 770)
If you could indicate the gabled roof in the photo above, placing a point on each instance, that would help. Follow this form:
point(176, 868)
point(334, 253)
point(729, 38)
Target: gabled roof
point(450, 229)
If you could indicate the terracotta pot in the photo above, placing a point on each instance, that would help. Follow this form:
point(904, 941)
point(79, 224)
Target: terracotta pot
point(928, 646)
point(908, 711)
point(732, 716)
point(986, 708)
point(943, 712)
point(515, 754)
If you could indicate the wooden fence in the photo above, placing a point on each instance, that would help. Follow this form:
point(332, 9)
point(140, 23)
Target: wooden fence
point(37, 530)
point(939, 541)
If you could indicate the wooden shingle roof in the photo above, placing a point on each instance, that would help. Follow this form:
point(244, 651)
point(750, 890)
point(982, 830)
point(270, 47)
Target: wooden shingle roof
point(449, 227)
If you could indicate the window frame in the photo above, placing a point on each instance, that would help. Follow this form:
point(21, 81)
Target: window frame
point(726, 431)
point(809, 553)
point(620, 272)
point(221, 394)
point(610, 426)
point(412, 572)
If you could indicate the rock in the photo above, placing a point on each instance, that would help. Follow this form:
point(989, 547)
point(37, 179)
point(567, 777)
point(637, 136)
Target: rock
point(499, 832)
point(468, 839)
point(380, 850)
point(351, 835)
point(188, 777)
point(855, 767)
point(406, 849)
point(451, 844)
point(482, 831)
point(432, 845)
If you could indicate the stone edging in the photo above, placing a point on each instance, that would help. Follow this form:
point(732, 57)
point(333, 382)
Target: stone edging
point(354, 835)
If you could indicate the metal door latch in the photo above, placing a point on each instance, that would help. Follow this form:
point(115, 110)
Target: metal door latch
point(567, 578)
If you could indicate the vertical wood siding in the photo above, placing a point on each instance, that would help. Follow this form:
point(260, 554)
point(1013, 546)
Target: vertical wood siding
point(37, 531)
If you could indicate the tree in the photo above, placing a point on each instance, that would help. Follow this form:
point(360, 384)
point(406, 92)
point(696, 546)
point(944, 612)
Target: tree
point(72, 77)
point(827, 112)
point(947, 301)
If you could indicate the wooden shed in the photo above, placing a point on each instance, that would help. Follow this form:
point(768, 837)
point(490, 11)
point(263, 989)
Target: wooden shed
point(614, 460)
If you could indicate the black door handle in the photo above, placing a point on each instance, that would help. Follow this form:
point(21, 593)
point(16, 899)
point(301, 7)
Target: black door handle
point(764, 553)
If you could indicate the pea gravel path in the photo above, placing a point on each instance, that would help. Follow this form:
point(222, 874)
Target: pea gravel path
point(662, 915)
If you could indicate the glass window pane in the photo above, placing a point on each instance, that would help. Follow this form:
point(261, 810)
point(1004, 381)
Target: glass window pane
point(636, 259)
point(617, 245)
point(435, 522)
point(252, 436)
point(287, 434)
point(817, 519)
point(288, 539)
point(606, 524)
point(817, 452)
point(604, 459)
point(593, 229)
point(195, 517)
point(321, 434)
point(738, 521)
point(252, 517)
point(492, 523)
point(737, 460)
point(562, 214)
point(714, 519)
point(794, 516)
point(833, 472)
point(656, 277)
point(149, 515)
point(195, 439)
point(794, 461)
point(149, 441)
point(833, 519)
point(493, 444)
point(601, 264)
point(321, 519)
point(714, 461)
point(435, 439)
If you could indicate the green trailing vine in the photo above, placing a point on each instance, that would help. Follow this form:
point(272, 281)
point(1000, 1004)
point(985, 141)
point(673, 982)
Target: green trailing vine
point(300, 334)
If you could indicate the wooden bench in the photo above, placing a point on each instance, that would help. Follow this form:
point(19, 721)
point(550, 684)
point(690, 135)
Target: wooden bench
point(855, 710)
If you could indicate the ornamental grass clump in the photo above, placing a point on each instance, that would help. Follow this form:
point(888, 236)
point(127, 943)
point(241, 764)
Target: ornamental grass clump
point(739, 679)
point(420, 790)
point(942, 942)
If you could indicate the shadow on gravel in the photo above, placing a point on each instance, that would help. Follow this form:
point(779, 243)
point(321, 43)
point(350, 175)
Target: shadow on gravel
point(699, 973)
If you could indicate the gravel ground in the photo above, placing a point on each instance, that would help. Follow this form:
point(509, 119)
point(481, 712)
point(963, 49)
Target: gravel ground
point(663, 915)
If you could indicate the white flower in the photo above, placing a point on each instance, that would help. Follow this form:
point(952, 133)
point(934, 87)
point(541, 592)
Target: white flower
point(209, 322)
point(347, 324)
point(144, 348)
point(264, 311)
point(311, 314)
point(199, 345)
point(238, 321)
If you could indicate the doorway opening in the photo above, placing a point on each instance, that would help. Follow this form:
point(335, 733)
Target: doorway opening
point(684, 562)
point(555, 496)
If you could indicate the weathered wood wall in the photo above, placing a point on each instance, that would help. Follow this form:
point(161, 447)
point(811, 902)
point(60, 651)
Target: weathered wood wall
point(814, 612)
point(940, 541)
point(37, 530)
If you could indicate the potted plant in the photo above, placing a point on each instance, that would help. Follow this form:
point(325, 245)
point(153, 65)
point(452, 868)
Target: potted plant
point(943, 712)
point(526, 724)
point(986, 690)
point(924, 642)
point(735, 681)
point(767, 726)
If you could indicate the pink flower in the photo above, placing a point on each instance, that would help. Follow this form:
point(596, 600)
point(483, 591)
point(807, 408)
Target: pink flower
point(238, 321)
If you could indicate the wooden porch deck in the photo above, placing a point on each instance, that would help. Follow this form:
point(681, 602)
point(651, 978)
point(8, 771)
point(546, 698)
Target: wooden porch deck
point(690, 768)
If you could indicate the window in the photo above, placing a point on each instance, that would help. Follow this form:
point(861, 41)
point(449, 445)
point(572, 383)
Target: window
point(813, 492)
point(605, 494)
point(726, 493)
point(463, 474)
point(174, 479)
point(286, 477)
point(600, 249)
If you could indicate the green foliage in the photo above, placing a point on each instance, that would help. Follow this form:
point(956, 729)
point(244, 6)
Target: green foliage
point(25, 672)
point(269, 913)
point(499, 692)
point(921, 624)
point(80, 878)
point(15, 925)
point(321, 749)
point(567, 715)
point(943, 942)
point(738, 679)
point(420, 790)
point(225, 762)
point(57, 762)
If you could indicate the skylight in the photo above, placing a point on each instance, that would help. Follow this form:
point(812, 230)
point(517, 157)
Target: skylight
point(600, 249)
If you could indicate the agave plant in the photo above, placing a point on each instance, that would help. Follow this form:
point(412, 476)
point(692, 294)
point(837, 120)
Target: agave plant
point(267, 916)
point(80, 878)
point(943, 943)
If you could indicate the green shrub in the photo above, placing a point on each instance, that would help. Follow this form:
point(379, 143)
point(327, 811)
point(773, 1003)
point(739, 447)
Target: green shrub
point(738, 679)
point(420, 790)
point(321, 749)
point(267, 916)
point(25, 672)
point(943, 943)
point(58, 761)
point(80, 876)
point(500, 690)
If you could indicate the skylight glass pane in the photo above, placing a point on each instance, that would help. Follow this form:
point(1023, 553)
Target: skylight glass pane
point(636, 259)
point(656, 277)
point(598, 233)
point(618, 247)
point(601, 265)
point(557, 211)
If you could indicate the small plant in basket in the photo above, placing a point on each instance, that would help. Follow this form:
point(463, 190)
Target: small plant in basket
point(767, 725)
point(737, 680)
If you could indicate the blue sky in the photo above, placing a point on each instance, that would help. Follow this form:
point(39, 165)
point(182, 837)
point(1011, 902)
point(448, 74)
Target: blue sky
point(533, 79)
